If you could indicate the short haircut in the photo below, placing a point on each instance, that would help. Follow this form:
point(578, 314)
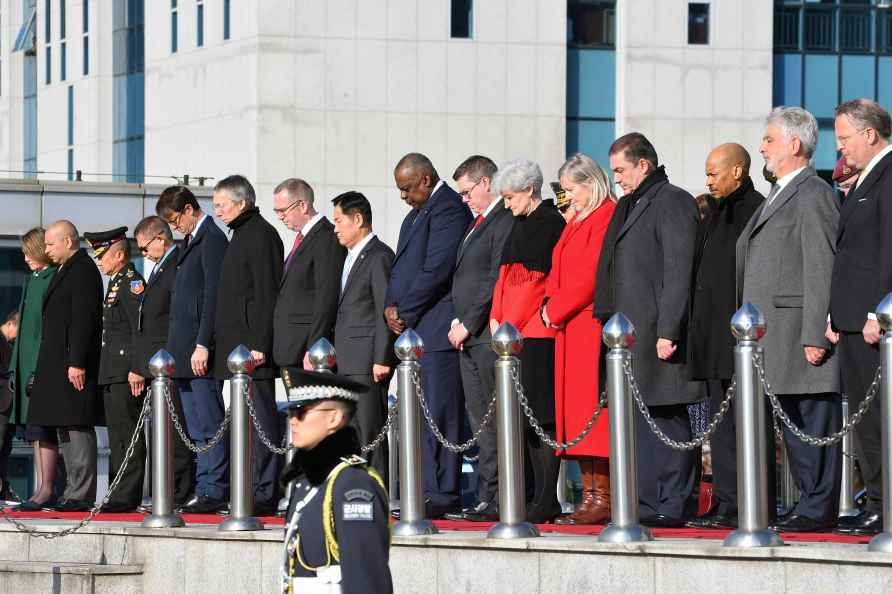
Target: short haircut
point(635, 146)
point(174, 199)
point(238, 188)
point(153, 226)
point(796, 122)
point(297, 189)
point(34, 247)
point(12, 317)
point(351, 203)
point(418, 164)
point(475, 167)
point(514, 176)
point(865, 113)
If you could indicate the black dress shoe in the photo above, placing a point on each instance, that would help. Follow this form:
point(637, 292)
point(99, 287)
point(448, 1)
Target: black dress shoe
point(118, 507)
point(205, 505)
point(31, 506)
point(713, 520)
point(438, 511)
point(864, 524)
point(69, 505)
point(459, 516)
point(265, 510)
point(662, 521)
point(487, 513)
point(797, 523)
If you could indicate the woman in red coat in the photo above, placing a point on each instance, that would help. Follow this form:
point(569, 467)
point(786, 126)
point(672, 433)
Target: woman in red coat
point(568, 309)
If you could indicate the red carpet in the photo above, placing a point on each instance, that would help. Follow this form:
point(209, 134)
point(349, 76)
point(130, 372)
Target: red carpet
point(465, 526)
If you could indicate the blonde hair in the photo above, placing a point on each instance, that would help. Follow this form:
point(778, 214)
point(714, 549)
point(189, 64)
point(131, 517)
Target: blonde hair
point(34, 247)
point(582, 169)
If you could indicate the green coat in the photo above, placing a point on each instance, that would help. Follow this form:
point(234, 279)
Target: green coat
point(27, 345)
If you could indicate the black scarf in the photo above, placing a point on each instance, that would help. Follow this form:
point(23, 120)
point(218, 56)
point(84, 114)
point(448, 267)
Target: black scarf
point(316, 464)
point(604, 305)
point(243, 217)
point(533, 238)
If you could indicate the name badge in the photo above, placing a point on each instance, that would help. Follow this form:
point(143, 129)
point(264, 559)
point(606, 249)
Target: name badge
point(358, 511)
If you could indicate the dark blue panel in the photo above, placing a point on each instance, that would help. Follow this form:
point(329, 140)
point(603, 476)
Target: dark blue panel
point(135, 161)
point(62, 19)
point(135, 105)
point(787, 79)
point(226, 31)
point(199, 25)
point(858, 77)
point(86, 69)
point(592, 138)
point(821, 85)
point(63, 61)
point(884, 82)
point(49, 64)
point(591, 83)
point(825, 155)
point(70, 114)
point(86, 16)
point(70, 164)
point(173, 32)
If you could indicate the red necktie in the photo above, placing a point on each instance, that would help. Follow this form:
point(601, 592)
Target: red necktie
point(478, 220)
point(297, 239)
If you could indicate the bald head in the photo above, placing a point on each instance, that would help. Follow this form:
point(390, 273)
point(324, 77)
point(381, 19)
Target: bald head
point(416, 179)
point(61, 239)
point(727, 168)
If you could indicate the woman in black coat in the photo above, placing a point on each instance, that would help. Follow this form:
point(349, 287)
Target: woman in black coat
point(246, 297)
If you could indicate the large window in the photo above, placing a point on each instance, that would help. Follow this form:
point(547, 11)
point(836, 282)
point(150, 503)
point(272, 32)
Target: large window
point(462, 19)
point(698, 23)
point(591, 23)
point(199, 23)
point(128, 163)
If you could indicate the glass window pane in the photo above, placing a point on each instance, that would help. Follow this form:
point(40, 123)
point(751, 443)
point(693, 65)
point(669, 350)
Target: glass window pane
point(173, 32)
point(821, 84)
point(855, 30)
point(592, 138)
point(62, 19)
point(884, 81)
point(591, 23)
point(698, 23)
point(820, 28)
point(63, 62)
point(70, 114)
point(86, 69)
point(787, 79)
point(86, 16)
point(49, 64)
point(858, 78)
point(786, 27)
point(462, 19)
point(591, 83)
point(225, 19)
point(70, 164)
point(825, 154)
point(47, 21)
point(200, 25)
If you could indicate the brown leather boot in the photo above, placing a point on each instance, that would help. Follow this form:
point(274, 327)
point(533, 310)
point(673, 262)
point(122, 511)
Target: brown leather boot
point(595, 505)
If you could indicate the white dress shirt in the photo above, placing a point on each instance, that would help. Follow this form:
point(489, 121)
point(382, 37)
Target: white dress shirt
point(352, 255)
point(873, 162)
point(308, 226)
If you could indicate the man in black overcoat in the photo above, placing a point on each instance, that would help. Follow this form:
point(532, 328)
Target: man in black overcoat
point(732, 202)
point(155, 241)
point(246, 297)
point(66, 394)
point(862, 277)
point(645, 272)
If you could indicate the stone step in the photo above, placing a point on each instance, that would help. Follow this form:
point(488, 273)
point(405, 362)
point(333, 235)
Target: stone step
point(19, 577)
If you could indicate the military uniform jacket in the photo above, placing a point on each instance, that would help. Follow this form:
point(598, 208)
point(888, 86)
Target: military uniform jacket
point(359, 510)
point(120, 319)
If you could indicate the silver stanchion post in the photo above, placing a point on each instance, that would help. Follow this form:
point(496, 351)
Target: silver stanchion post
point(748, 326)
point(409, 348)
point(882, 542)
point(147, 430)
point(847, 483)
point(241, 481)
point(619, 335)
point(393, 455)
point(507, 343)
point(322, 356)
point(162, 367)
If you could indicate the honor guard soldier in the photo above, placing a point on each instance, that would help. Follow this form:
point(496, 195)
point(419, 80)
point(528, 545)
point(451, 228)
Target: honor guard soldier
point(337, 532)
point(122, 388)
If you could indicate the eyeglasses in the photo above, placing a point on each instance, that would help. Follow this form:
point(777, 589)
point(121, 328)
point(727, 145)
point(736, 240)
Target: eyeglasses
point(175, 222)
point(464, 195)
point(843, 140)
point(302, 412)
point(145, 248)
point(281, 211)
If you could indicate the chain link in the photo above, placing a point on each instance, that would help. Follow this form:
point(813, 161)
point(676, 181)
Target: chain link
point(537, 428)
point(221, 431)
point(264, 438)
point(831, 439)
point(391, 415)
point(452, 447)
point(697, 442)
point(37, 533)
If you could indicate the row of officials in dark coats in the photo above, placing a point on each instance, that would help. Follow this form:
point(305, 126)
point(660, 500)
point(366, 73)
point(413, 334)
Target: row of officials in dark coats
point(810, 259)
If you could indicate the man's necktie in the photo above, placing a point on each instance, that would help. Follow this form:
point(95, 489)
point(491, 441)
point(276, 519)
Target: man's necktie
point(348, 264)
point(152, 274)
point(187, 239)
point(297, 241)
point(478, 221)
point(774, 190)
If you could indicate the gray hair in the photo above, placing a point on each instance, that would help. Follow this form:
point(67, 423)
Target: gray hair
point(864, 114)
point(796, 122)
point(238, 188)
point(518, 175)
point(297, 189)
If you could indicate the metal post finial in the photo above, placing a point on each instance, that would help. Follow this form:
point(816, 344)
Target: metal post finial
point(507, 341)
point(884, 313)
point(409, 346)
point(162, 364)
point(240, 360)
point(322, 355)
point(748, 323)
point(618, 332)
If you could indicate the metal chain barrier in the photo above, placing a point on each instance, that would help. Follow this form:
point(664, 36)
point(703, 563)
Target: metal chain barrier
point(391, 415)
point(537, 428)
point(37, 533)
point(831, 439)
point(668, 441)
point(221, 431)
point(452, 447)
point(264, 438)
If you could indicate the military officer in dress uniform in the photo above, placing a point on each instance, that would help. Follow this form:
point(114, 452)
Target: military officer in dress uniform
point(122, 386)
point(337, 533)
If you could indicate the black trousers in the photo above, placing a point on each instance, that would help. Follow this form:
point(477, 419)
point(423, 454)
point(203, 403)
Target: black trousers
point(665, 476)
point(371, 414)
point(441, 380)
point(858, 363)
point(478, 381)
point(816, 470)
point(183, 459)
point(121, 414)
point(267, 465)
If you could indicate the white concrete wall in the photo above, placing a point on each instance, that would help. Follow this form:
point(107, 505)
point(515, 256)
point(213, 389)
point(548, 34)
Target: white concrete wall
point(337, 91)
point(10, 88)
point(690, 98)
